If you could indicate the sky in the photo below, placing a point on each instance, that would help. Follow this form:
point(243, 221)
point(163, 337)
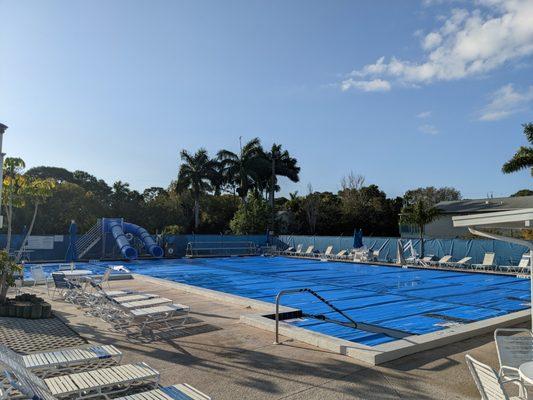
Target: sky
point(407, 94)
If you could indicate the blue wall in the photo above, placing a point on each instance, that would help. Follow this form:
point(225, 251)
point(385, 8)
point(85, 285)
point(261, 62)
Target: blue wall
point(506, 253)
point(176, 242)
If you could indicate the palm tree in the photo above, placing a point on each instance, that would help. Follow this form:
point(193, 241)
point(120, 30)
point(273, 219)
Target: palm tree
point(244, 169)
point(523, 158)
point(419, 214)
point(281, 164)
point(195, 173)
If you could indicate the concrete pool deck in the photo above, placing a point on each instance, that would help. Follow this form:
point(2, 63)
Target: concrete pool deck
point(230, 360)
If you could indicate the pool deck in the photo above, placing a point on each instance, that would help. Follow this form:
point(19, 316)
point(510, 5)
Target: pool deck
point(227, 359)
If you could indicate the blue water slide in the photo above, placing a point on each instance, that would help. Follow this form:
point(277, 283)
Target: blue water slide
point(149, 243)
point(115, 227)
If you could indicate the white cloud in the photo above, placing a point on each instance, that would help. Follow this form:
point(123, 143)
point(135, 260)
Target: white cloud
point(468, 43)
point(431, 40)
point(375, 85)
point(428, 129)
point(424, 114)
point(506, 101)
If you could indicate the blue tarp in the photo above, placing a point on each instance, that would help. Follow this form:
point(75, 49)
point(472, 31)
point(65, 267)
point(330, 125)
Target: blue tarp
point(506, 253)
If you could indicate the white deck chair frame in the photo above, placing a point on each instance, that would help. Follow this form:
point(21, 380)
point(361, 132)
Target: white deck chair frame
point(46, 362)
point(180, 391)
point(147, 320)
point(514, 347)
point(81, 385)
point(327, 253)
point(489, 384)
point(487, 263)
point(462, 263)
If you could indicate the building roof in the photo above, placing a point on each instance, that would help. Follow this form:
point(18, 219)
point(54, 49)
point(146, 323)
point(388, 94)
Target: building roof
point(485, 205)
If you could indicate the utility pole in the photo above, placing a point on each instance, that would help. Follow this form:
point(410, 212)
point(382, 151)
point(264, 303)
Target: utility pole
point(2, 131)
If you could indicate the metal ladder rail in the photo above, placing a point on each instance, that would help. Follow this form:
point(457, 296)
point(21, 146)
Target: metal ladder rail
point(89, 239)
point(310, 291)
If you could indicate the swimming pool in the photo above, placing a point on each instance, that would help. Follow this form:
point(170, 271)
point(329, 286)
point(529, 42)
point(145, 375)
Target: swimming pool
point(409, 301)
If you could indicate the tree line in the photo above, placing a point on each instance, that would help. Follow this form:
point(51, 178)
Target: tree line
point(228, 193)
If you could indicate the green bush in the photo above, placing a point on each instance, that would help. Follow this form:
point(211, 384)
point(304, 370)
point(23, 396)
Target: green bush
point(252, 217)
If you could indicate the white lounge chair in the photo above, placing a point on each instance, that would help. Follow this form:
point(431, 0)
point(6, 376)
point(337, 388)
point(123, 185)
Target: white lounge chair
point(424, 261)
point(340, 255)
point(443, 261)
point(31, 391)
point(98, 382)
point(522, 267)
point(155, 301)
point(309, 251)
point(462, 263)
point(489, 384)
point(488, 262)
point(327, 253)
point(63, 359)
point(288, 250)
point(134, 297)
point(104, 280)
point(147, 319)
point(175, 392)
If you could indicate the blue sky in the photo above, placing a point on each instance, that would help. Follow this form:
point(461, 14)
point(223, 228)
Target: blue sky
point(407, 94)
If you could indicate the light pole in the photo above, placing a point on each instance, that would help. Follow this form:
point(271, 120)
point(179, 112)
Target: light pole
point(2, 131)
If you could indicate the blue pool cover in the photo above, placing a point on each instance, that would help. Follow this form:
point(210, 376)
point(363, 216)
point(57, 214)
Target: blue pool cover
point(410, 301)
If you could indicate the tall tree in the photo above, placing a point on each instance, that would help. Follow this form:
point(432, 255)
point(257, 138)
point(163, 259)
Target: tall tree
point(37, 191)
point(195, 173)
point(13, 185)
point(432, 195)
point(281, 164)
point(420, 213)
point(523, 158)
point(245, 168)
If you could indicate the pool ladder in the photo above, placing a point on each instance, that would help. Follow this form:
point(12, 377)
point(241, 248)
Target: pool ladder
point(351, 323)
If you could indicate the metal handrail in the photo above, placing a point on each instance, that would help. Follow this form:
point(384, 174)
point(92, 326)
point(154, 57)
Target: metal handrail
point(351, 324)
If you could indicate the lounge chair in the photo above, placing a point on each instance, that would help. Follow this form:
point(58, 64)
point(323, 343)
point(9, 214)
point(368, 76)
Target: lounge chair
point(63, 359)
point(522, 267)
point(462, 263)
point(424, 261)
point(341, 255)
point(149, 318)
point(309, 251)
point(489, 384)
point(327, 253)
point(98, 382)
point(31, 391)
point(288, 250)
point(104, 279)
point(441, 262)
point(181, 391)
point(514, 347)
point(155, 301)
point(488, 262)
point(134, 297)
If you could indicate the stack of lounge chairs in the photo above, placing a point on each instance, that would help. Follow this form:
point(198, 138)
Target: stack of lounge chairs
point(138, 315)
point(25, 377)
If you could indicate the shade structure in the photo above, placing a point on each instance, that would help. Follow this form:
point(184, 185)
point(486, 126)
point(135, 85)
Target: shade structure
point(512, 220)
